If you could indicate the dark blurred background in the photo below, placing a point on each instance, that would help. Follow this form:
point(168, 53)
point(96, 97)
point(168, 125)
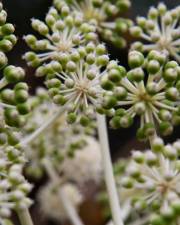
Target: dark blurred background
point(123, 141)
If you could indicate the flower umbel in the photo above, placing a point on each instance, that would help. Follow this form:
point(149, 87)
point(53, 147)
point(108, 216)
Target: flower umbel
point(78, 85)
point(161, 30)
point(152, 181)
point(149, 90)
point(63, 34)
point(105, 15)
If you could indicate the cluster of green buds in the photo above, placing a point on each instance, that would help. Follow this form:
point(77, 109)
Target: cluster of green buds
point(160, 30)
point(7, 38)
point(61, 140)
point(13, 188)
point(63, 33)
point(13, 98)
point(150, 90)
point(105, 15)
point(76, 83)
point(152, 180)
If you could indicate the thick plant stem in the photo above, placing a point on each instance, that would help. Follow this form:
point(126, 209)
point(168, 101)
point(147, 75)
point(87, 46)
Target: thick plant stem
point(68, 207)
point(108, 171)
point(24, 216)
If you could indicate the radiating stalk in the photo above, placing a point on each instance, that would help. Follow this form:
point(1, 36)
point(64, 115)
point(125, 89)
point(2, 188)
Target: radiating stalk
point(108, 171)
point(68, 207)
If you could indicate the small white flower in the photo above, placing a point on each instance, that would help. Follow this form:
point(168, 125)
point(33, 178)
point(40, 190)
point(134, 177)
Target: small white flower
point(86, 165)
point(51, 205)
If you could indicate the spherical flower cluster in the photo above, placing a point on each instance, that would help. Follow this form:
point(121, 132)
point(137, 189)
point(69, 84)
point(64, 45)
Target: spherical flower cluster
point(86, 165)
point(160, 30)
point(51, 205)
point(13, 188)
point(105, 15)
point(150, 89)
point(13, 99)
point(77, 86)
point(63, 32)
point(152, 181)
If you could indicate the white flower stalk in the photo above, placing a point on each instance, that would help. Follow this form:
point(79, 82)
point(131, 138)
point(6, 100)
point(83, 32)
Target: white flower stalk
point(160, 30)
point(50, 204)
point(149, 90)
point(86, 165)
point(152, 181)
point(63, 34)
point(105, 15)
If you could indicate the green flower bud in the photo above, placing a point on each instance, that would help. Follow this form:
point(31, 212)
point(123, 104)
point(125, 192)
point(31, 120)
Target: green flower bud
point(53, 91)
point(23, 108)
point(170, 75)
point(101, 49)
point(140, 108)
point(3, 17)
point(84, 121)
point(135, 59)
point(5, 45)
point(136, 31)
point(12, 139)
point(21, 95)
point(153, 66)
point(165, 115)
point(157, 220)
point(21, 85)
point(136, 74)
point(172, 94)
point(157, 145)
point(59, 99)
point(114, 75)
point(120, 93)
point(13, 74)
point(165, 128)
point(12, 38)
point(7, 96)
point(140, 134)
point(109, 102)
point(3, 138)
point(121, 26)
point(107, 85)
point(3, 60)
point(127, 182)
point(126, 121)
point(30, 40)
point(115, 122)
point(53, 83)
point(71, 66)
point(71, 118)
point(149, 129)
point(7, 29)
point(102, 60)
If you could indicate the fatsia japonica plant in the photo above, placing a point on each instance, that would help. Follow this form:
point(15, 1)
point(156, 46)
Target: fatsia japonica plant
point(60, 131)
